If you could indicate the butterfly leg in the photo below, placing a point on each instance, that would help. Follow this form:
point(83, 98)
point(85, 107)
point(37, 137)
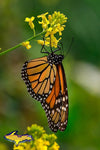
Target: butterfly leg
point(59, 48)
point(43, 47)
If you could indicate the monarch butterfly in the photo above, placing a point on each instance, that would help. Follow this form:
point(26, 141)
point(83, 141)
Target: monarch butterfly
point(46, 82)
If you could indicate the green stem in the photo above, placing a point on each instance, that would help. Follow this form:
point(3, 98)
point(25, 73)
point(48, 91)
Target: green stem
point(20, 44)
point(34, 32)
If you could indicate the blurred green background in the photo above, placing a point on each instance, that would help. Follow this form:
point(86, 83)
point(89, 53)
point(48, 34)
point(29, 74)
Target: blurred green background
point(82, 67)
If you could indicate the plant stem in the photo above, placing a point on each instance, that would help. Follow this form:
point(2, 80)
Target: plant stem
point(20, 44)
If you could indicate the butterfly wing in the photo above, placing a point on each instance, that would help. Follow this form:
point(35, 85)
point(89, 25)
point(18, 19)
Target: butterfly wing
point(39, 77)
point(47, 84)
point(58, 102)
point(64, 99)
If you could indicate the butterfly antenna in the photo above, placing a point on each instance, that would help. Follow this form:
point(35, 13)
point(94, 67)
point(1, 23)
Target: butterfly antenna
point(70, 45)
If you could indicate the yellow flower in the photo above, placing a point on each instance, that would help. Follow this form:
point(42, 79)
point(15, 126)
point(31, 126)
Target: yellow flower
point(55, 146)
point(23, 146)
point(44, 21)
point(49, 18)
point(41, 140)
point(60, 28)
point(53, 25)
point(58, 17)
point(26, 44)
point(52, 40)
point(42, 15)
point(41, 144)
point(18, 147)
point(37, 131)
point(51, 31)
point(30, 20)
point(42, 42)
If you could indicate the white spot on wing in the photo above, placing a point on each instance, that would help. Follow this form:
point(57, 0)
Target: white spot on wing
point(63, 98)
point(64, 108)
point(66, 97)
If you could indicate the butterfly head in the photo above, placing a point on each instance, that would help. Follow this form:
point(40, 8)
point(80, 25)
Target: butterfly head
point(55, 59)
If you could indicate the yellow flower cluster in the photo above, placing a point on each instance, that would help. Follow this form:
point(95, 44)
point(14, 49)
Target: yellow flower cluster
point(41, 144)
point(51, 25)
point(26, 44)
point(41, 140)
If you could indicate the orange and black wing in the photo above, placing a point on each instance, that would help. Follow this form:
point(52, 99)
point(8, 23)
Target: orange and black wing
point(57, 101)
point(39, 77)
point(64, 98)
point(47, 84)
